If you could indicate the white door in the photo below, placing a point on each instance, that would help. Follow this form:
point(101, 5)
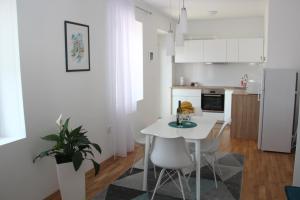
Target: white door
point(278, 113)
point(251, 50)
point(214, 51)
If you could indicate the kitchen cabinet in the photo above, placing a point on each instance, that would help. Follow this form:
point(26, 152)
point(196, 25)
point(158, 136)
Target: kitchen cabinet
point(214, 51)
point(191, 52)
point(251, 50)
point(248, 50)
point(227, 104)
point(232, 51)
point(191, 95)
point(215, 115)
point(244, 115)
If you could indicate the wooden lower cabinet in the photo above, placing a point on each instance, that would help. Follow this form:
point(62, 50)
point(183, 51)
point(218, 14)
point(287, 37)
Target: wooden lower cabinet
point(245, 116)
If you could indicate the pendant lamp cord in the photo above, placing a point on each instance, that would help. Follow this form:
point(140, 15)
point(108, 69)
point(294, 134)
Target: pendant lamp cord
point(170, 7)
point(179, 11)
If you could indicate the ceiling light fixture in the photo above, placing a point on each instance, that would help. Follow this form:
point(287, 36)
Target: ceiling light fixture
point(183, 20)
point(170, 42)
point(179, 37)
point(170, 38)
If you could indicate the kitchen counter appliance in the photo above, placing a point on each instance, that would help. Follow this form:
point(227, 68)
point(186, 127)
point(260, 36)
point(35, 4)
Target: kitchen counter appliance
point(212, 100)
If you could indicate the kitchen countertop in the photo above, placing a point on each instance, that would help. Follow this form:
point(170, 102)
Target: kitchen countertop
point(242, 92)
point(208, 87)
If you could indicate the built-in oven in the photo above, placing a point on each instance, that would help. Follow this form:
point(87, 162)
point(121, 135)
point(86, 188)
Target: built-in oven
point(212, 100)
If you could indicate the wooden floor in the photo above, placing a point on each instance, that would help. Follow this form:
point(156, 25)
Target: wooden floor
point(265, 173)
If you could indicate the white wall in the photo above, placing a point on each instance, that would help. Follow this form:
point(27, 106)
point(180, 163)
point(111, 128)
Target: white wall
point(216, 74)
point(48, 90)
point(166, 77)
point(283, 34)
point(150, 106)
point(227, 28)
point(266, 28)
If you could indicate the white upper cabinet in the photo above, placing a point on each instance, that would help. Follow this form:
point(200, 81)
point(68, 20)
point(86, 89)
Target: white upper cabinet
point(191, 52)
point(221, 51)
point(232, 51)
point(214, 51)
point(251, 50)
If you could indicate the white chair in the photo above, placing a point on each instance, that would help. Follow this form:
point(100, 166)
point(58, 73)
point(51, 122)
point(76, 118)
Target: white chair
point(209, 148)
point(136, 125)
point(171, 153)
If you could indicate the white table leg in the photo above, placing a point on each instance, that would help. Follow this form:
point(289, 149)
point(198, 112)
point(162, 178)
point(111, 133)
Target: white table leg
point(198, 167)
point(146, 159)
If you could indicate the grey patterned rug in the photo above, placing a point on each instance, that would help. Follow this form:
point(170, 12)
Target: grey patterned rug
point(129, 186)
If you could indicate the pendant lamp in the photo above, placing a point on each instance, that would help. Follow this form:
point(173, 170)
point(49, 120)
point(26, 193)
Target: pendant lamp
point(170, 42)
point(179, 36)
point(183, 20)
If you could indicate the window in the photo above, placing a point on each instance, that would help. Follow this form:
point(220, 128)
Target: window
point(139, 62)
point(12, 125)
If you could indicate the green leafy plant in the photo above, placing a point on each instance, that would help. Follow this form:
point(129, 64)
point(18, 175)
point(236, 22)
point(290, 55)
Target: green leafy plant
point(71, 146)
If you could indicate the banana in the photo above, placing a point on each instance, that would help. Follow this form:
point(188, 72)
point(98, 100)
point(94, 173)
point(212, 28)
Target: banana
point(187, 107)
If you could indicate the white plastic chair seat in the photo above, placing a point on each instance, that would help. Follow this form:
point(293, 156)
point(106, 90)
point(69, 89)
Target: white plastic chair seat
point(209, 148)
point(205, 145)
point(170, 153)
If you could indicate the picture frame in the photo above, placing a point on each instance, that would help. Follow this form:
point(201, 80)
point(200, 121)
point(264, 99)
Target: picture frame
point(77, 47)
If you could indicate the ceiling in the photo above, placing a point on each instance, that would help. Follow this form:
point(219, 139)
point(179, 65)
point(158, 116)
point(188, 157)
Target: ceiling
point(200, 9)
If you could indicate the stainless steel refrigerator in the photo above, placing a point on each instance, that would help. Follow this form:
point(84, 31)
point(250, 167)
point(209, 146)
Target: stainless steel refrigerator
point(278, 110)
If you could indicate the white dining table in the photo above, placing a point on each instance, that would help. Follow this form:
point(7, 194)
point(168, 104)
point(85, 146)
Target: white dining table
point(161, 128)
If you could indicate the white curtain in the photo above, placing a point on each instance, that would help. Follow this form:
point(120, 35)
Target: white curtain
point(124, 63)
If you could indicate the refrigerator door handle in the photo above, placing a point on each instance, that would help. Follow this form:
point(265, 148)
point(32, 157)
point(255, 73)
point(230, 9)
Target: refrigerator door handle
point(259, 92)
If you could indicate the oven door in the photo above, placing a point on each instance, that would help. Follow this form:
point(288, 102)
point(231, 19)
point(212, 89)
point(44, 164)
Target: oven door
point(212, 102)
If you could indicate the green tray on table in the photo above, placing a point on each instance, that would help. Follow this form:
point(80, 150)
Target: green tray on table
point(184, 124)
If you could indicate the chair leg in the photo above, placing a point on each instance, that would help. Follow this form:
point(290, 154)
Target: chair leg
point(180, 182)
point(158, 182)
point(171, 177)
point(133, 164)
point(220, 172)
point(155, 175)
point(214, 171)
point(186, 181)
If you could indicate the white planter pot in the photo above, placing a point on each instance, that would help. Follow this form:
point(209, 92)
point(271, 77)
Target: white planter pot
point(71, 183)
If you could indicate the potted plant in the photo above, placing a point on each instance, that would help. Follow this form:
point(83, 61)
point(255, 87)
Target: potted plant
point(71, 148)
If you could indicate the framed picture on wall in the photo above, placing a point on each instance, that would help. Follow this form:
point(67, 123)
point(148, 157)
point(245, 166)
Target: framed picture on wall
point(77, 47)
